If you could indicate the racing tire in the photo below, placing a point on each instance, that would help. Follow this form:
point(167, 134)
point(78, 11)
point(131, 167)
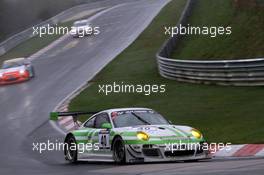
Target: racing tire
point(119, 151)
point(69, 153)
point(191, 161)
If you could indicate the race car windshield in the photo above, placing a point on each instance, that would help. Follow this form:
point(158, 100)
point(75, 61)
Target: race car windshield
point(11, 65)
point(138, 118)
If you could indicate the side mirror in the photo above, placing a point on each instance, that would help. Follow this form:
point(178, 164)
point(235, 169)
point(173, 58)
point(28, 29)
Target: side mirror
point(106, 126)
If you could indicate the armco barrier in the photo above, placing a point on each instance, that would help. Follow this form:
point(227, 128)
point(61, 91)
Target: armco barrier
point(243, 72)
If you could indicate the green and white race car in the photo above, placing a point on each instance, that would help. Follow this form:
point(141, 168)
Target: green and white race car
point(129, 135)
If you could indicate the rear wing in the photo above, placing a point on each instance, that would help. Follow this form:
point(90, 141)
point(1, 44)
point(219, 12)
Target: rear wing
point(55, 115)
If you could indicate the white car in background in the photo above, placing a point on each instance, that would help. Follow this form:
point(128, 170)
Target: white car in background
point(81, 28)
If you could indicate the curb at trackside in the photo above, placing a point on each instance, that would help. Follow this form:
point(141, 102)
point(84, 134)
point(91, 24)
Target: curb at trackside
point(240, 151)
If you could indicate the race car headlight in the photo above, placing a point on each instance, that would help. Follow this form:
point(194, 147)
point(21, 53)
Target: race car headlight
point(1, 75)
point(22, 71)
point(197, 134)
point(142, 136)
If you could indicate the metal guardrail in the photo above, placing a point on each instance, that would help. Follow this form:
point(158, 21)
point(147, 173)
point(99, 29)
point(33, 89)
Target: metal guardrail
point(244, 72)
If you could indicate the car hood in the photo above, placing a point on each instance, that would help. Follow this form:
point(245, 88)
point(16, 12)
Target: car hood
point(13, 69)
point(159, 130)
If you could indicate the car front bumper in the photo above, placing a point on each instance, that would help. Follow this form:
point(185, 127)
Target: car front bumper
point(17, 80)
point(160, 153)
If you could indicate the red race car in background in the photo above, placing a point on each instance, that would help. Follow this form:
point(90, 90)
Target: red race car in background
point(16, 70)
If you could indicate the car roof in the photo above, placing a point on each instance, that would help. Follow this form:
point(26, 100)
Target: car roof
point(15, 60)
point(125, 109)
point(81, 21)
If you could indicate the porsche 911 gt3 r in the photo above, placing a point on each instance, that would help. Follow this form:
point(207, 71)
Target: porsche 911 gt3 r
point(130, 135)
point(16, 70)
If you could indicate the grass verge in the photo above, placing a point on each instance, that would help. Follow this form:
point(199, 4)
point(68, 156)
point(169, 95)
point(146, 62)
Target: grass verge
point(246, 40)
point(223, 114)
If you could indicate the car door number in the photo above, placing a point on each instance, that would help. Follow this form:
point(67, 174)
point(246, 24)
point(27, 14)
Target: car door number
point(104, 137)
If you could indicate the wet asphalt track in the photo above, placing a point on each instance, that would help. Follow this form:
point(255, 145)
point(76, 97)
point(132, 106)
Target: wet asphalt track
point(25, 107)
